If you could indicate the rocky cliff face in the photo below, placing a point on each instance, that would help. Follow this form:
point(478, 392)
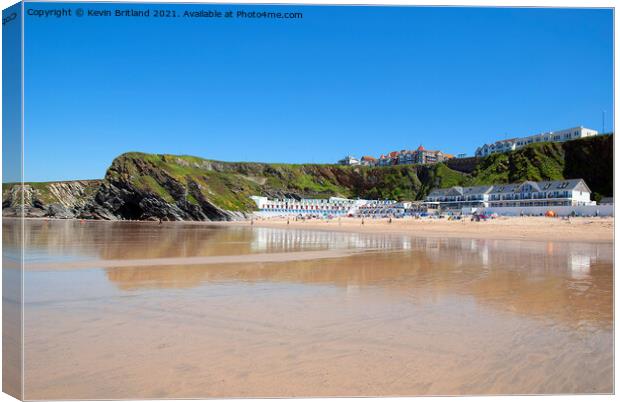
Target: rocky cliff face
point(54, 199)
point(170, 187)
point(137, 187)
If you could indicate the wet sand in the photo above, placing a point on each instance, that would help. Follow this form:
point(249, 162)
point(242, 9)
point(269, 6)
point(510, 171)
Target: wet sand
point(413, 316)
point(223, 259)
point(510, 228)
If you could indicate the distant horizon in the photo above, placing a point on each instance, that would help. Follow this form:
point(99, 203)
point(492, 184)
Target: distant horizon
point(342, 80)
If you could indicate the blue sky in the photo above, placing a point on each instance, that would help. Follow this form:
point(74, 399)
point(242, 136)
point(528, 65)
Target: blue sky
point(342, 80)
point(11, 96)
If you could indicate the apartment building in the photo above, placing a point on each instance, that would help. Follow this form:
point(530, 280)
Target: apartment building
point(550, 136)
point(572, 192)
point(409, 157)
point(349, 161)
point(368, 161)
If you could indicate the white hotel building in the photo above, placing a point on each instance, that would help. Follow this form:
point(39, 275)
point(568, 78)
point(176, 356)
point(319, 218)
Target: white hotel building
point(505, 198)
point(551, 136)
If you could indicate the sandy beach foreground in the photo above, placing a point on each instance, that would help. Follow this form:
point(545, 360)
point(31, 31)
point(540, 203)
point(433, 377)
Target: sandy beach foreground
point(143, 310)
point(513, 228)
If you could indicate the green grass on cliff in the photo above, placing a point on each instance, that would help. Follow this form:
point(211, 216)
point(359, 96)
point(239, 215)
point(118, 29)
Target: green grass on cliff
point(543, 161)
point(148, 183)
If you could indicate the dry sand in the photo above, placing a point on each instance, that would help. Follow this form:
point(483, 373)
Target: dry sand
point(513, 228)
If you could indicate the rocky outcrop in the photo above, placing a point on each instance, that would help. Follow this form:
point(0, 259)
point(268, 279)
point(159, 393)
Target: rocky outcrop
point(63, 200)
point(464, 165)
point(135, 188)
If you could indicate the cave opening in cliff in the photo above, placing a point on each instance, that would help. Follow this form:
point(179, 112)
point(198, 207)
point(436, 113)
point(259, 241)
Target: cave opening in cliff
point(131, 210)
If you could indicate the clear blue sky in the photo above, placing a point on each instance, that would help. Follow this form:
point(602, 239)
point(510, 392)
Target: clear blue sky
point(11, 96)
point(342, 80)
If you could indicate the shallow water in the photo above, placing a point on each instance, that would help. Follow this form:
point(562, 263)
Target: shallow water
point(392, 315)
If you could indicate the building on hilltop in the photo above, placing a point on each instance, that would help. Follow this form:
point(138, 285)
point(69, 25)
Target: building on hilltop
point(403, 157)
point(349, 161)
point(550, 136)
point(417, 156)
point(368, 161)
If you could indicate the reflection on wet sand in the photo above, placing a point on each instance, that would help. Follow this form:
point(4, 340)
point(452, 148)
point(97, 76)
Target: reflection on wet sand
point(416, 316)
point(533, 283)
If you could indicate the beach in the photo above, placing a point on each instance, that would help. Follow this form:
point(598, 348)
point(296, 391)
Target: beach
point(122, 309)
point(599, 229)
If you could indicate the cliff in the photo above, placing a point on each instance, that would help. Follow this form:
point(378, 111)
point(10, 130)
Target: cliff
point(170, 187)
point(63, 199)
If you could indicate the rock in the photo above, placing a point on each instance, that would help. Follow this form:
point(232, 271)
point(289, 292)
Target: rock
point(59, 211)
point(137, 189)
point(60, 200)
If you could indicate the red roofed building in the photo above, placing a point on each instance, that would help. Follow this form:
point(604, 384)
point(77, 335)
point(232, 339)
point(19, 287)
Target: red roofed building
point(419, 156)
point(368, 161)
